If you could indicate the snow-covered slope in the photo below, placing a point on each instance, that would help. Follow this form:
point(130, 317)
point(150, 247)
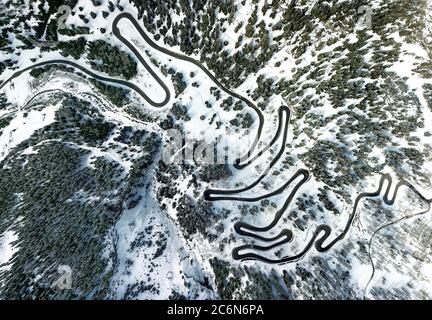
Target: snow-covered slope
point(318, 113)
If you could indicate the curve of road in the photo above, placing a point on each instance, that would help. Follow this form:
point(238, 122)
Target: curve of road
point(95, 76)
point(208, 194)
point(238, 164)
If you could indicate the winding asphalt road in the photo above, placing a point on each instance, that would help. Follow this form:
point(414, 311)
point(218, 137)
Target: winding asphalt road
point(321, 233)
point(116, 31)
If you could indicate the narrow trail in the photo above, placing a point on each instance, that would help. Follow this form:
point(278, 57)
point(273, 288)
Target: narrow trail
point(392, 223)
